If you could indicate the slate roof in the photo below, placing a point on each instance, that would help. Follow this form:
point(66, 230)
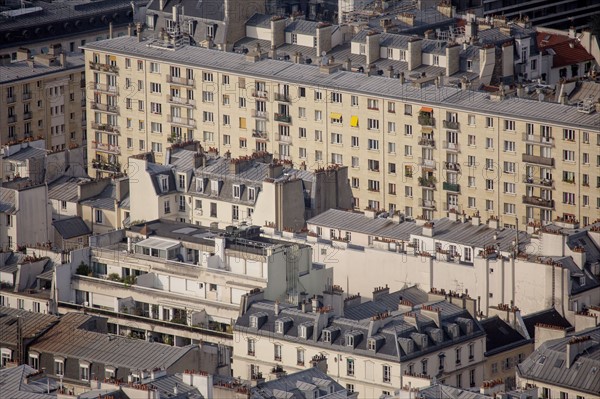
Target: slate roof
point(70, 340)
point(500, 336)
point(562, 115)
point(156, 172)
point(398, 41)
point(438, 391)
point(21, 70)
point(71, 227)
point(445, 229)
point(260, 20)
point(548, 364)
point(14, 386)
point(204, 9)
point(395, 328)
point(166, 384)
point(7, 200)
point(104, 200)
point(65, 188)
point(386, 303)
point(296, 384)
point(548, 316)
point(33, 324)
point(26, 153)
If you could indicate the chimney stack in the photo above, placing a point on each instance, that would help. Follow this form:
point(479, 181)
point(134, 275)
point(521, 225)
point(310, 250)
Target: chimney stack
point(110, 30)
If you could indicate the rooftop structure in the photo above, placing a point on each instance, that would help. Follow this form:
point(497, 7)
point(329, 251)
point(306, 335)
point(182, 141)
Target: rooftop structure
point(25, 382)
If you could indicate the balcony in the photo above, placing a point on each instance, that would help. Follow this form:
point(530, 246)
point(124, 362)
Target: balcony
point(427, 182)
point(12, 118)
point(26, 96)
point(427, 142)
point(260, 114)
point(455, 147)
point(113, 109)
point(452, 166)
point(535, 159)
point(181, 120)
point(427, 163)
point(106, 166)
point(260, 134)
point(27, 116)
point(537, 181)
point(452, 125)
point(105, 88)
point(283, 97)
point(427, 203)
point(11, 99)
point(180, 81)
point(105, 127)
point(98, 66)
point(181, 101)
point(285, 139)
point(283, 118)
point(537, 139)
point(538, 201)
point(452, 207)
point(426, 120)
point(454, 187)
point(260, 93)
point(110, 148)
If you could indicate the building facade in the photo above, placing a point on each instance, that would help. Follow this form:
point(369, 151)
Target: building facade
point(420, 151)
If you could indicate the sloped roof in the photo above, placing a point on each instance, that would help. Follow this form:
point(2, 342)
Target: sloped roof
point(567, 51)
point(294, 384)
point(32, 325)
point(500, 336)
point(204, 9)
point(14, 385)
point(104, 200)
point(548, 316)
point(71, 227)
point(549, 364)
point(66, 188)
point(7, 200)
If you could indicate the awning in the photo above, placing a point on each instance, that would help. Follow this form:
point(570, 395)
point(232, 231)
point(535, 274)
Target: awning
point(426, 130)
point(426, 109)
point(354, 121)
point(335, 115)
point(112, 57)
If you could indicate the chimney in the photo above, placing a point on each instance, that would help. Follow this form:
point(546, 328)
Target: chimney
point(63, 59)
point(378, 292)
point(23, 54)
point(572, 32)
point(445, 8)
point(276, 308)
point(476, 219)
point(402, 78)
point(389, 72)
point(348, 65)
point(428, 229)
point(130, 29)
point(110, 30)
point(520, 90)
point(576, 346)
point(306, 307)
point(319, 361)
point(452, 59)
point(406, 18)
point(372, 47)
point(138, 30)
point(430, 34)
point(273, 53)
point(315, 304)
point(414, 53)
point(161, 4)
point(176, 389)
point(324, 39)
point(277, 31)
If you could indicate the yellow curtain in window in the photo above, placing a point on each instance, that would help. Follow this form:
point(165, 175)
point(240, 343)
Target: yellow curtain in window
point(354, 121)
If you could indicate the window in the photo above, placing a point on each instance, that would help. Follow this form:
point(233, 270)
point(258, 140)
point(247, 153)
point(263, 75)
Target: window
point(336, 97)
point(167, 206)
point(489, 142)
point(373, 144)
point(157, 147)
point(98, 213)
point(569, 198)
point(349, 367)
point(489, 122)
point(350, 388)
point(509, 188)
point(387, 373)
point(569, 155)
point(509, 146)
point(372, 104)
point(392, 188)
point(510, 167)
point(489, 205)
point(373, 165)
point(471, 351)
point(337, 159)
point(84, 372)
point(424, 367)
point(59, 367)
point(408, 130)
point(34, 361)
point(510, 209)
point(509, 125)
point(207, 77)
point(569, 134)
point(336, 138)
point(155, 88)
point(373, 124)
point(251, 346)
point(277, 352)
point(391, 168)
point(373, 185)
point(471, 378)
point(355, 181)
point(391, 127)
point(318, 95)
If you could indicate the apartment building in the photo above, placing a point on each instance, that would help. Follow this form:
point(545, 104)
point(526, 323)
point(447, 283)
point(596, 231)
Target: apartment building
point(555, 267)
point(43, 96)
point(178, 283)
point(418, 150)
point(366, 350)
point(565, 367)
point(200, 187)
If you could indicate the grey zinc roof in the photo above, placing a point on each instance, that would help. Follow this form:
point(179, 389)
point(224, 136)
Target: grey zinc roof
point(69, 339)
point(71, 227)
point(444, 391)
point(104, 200)
point(14, 385)
point(386, 303)
point(260, 20)
point(167, 383)
point(302, 26)
point(21, 70)
point(33, 324)
point(293, 384)
point(26, 153)
point(548, 364)
point(500, 336)
point(66, 188)
point(7, 200)
point(308, 75)
point(125, 203)
point(204, 9)
point(547, 316)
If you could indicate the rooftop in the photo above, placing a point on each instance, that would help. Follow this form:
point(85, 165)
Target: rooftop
point(548, 317)
point(15, 384)
point(33, 324)
point(21, 70)
point(71, 227)
point(500, 336)
point(308, 75)
point(565, 50)
point(297, 385)
point(66, 188)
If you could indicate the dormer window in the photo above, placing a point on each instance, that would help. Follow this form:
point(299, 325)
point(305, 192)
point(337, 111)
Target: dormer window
point(326, 336)
point(372, 344)
point(251, 194)
point(199, 185)
point(214, 187)
point(279, 327)
point(350, 340)
point(182, 181)
point(237, 191)
point(164, 184)
point(253, 321)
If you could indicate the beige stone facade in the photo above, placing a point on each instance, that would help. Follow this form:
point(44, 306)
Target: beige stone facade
point(420, 150)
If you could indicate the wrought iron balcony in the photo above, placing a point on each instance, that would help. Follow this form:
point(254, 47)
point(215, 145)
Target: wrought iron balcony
point(538, 201)
point(283, 118)
point(180, 80)
point(455, 187)
point(452, 125)
point(537, 181)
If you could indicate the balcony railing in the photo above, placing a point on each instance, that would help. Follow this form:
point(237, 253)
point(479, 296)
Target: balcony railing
point(427, 203)
point(12, 118)
point(260, 134)
point(105, 107)
point(535, 159)
point(428, 163)
point(427, 142)
point(283, 118)
point(181, 100)
point(427, 182)
point(452, 125)
point(260, 114)
point(537, 139)
point(105, 87)
point(110, 148)
point(452, 166)
point(181, 120)
point(538, 201)
point(106, 166)
point(282, 97)
point(425, 120)
point(180, 80)
point(260, 93)
point(105, 127)
point(451, 146)
point(455, 187)
point(98, 66)
point(285, 139)
point(451, 207)
point(27, 116)
point(538, 181)
point(26, 96)
point(11, 99)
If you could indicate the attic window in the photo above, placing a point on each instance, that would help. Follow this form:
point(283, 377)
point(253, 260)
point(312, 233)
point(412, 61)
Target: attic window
point(214, 187)
point(199, 185)
point(253, 321)
point(251, 194)
point(237, 191)
point(350, 340)
point(372, 344)
point(279, 327)
point(326, 336)
point(302, 332)
point(164, 184)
